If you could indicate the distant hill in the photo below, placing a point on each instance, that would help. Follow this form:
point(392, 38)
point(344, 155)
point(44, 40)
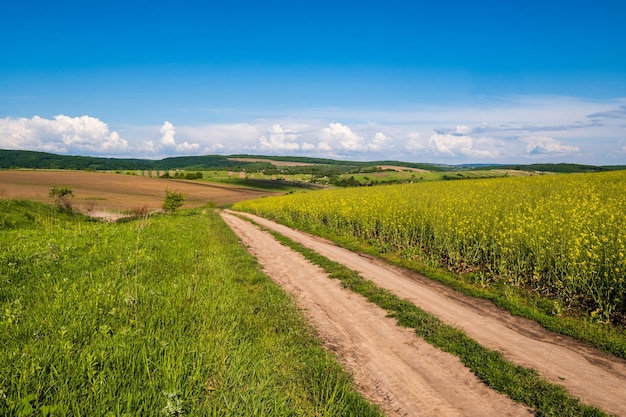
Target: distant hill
point(561, 168)
point(43, 160)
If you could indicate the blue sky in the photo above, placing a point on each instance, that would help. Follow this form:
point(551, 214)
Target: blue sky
point(445, 82)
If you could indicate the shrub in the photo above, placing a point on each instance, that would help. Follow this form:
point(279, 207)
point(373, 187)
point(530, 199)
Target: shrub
point(173, 200)
point(62, 195)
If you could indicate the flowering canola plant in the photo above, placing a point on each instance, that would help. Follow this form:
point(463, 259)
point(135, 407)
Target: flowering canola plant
point(563, 236)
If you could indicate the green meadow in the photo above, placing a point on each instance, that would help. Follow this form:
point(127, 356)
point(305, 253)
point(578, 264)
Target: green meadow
point(159, 315)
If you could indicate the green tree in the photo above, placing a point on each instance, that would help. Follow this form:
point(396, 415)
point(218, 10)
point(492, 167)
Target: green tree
point(173, 200)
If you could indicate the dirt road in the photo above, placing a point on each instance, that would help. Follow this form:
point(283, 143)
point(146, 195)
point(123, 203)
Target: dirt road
point(391, 366)
point(400, 371)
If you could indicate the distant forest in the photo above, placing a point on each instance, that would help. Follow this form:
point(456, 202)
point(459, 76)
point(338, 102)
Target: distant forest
point(563, 168)
point(10, 159)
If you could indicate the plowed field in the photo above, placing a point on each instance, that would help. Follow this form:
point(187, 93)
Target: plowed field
point(95, 192)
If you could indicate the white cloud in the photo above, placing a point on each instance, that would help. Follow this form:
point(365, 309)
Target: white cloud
point(450, 144)
point(415, 143)
point(380, 142)
point(279, 139)
point(456, 145)
point(187, 147)
point(543, 145)
point(168, 131)
point(168, 142)
point(63, 134)
point(148, 147)
point(324, 147)
point(506, 130)
point(340, 139)
point(347, 139)
point(463, 130)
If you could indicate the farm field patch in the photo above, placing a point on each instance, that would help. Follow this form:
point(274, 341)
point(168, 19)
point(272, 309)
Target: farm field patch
point(97, 191)
point(559, 240)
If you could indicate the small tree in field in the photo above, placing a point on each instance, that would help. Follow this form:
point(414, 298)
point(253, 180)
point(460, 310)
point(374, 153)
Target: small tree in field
point(173, 200)
point(62, 195)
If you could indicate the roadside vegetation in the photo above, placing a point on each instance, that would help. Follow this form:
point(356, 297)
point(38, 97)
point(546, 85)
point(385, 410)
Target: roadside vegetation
point(551, 248)
point(62, 195)
point(162, 315)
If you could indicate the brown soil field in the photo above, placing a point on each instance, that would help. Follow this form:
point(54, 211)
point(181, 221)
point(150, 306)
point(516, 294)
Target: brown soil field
point(102, 192)
point(399, 168)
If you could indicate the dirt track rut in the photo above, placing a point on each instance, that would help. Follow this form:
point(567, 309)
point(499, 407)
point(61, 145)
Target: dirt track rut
point(426, 381)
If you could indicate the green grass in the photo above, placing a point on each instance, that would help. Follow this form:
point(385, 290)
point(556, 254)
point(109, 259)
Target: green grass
point(388, 176)
point(520, 384)
point(165, 315)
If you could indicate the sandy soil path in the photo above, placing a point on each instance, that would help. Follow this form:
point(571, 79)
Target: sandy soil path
point(596, 378)
point(392, 367)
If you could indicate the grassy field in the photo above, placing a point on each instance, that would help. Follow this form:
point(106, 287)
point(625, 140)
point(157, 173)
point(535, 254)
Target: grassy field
point(384, 175)
point(162, 315)
point(399, 175)
point(557, 241)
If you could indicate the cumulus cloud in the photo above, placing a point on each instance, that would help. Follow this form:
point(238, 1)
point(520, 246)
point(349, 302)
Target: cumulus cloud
point(380, 142)
point(340, 138)
point(457, 143)
point(279, 139)
point(225, 137)
point(543, 145)
point(564, 129)
point(167, 135)
point(347, 139)
point(63, 134)
point(168, 141)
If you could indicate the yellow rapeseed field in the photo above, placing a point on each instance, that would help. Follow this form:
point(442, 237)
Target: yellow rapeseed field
point(563, 236)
